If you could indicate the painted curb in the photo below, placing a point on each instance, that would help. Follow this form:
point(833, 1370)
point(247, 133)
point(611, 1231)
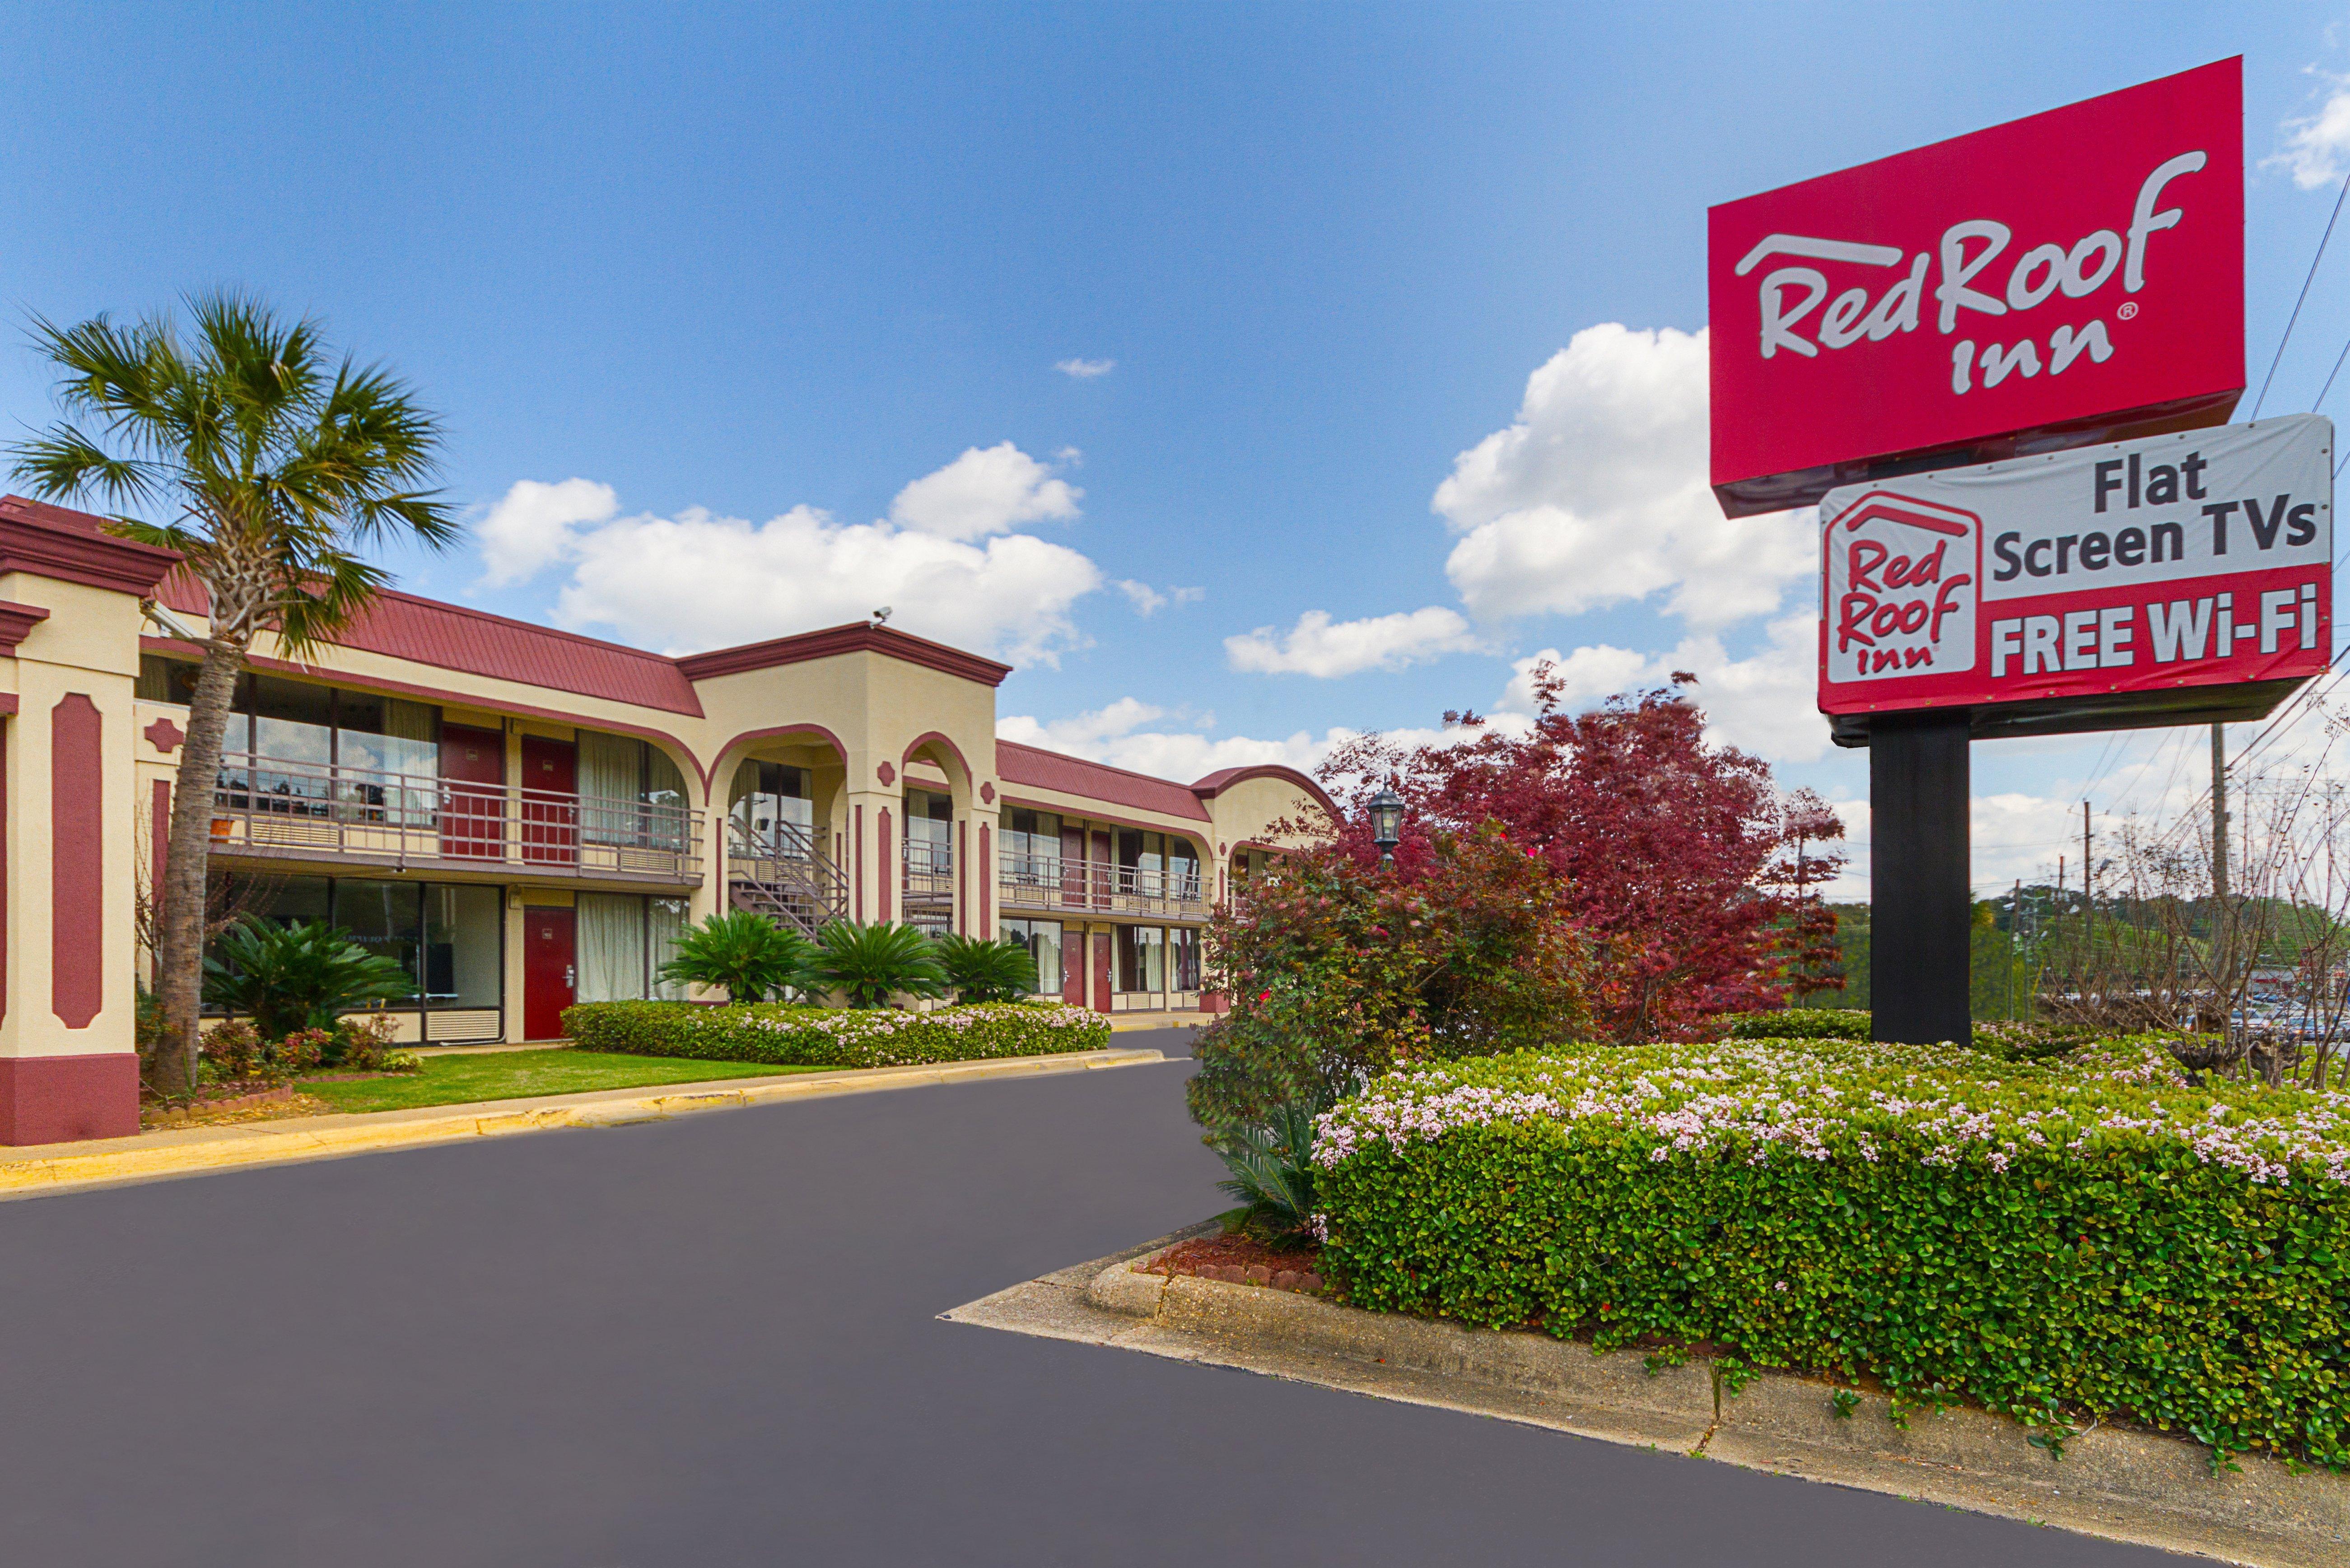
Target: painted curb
point(281, 1143)
point(2127, 1485)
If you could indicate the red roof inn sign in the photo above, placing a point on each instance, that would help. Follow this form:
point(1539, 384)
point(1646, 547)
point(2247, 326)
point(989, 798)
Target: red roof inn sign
point(2100, 588)
point(2071, 278)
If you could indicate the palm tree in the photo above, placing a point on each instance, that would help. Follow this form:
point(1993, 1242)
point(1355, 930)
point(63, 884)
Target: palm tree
point(280, 458)
point(868, 963)
point(747, 953)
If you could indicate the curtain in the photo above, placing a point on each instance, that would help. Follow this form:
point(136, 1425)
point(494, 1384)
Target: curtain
point(665, 817)
point(611, 928)
point(611, 781)
point(664, 924)
point(412, 747)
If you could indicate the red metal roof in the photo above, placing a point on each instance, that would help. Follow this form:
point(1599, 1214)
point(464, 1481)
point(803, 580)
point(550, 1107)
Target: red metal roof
point(451, 636)
point(1039, 769)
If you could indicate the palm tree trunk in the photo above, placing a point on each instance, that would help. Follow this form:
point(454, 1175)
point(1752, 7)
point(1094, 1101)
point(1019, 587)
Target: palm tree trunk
point(180, 962)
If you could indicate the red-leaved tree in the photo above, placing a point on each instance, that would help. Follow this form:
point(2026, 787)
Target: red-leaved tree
point(1694, 880)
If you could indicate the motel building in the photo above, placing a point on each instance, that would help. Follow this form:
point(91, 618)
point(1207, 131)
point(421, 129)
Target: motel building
point(525, 818)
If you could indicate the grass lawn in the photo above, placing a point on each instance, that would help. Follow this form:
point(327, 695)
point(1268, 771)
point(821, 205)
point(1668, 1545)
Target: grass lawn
point(519, 1074)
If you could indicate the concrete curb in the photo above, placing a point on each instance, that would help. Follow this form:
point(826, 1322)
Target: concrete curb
point(2138, 1487)
point(38, 1172)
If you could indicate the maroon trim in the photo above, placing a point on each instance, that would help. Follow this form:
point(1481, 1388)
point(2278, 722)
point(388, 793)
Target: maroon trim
point(3, 861)
point(858, 830)
point(76, 862)
point(158, 836)
point(18, 622)
point(54, 542)
point(857, 636)
point(165, 736)
point(354, 681)
point(887, 775)
point(1040, 769)
point(60, 1099)
point(710, 776)
point(1217, 783)
point(7, 702)
point(963, 883)
point(987, 793)
point(987, 932)
point(925, 738)
point(883, 821)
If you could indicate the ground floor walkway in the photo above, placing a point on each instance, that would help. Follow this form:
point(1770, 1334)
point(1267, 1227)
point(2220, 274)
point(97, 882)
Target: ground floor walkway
point(714, 1341)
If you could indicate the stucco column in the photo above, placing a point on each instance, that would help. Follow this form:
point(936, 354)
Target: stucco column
point(68, 1061)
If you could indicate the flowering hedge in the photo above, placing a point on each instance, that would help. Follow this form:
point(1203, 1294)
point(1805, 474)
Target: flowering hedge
point(834, 1037)
point(2083, 1235)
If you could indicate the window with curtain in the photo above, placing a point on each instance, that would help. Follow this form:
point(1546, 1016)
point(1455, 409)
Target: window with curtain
point(769, 812)
point(611, 947)
point(1032, 847)
point(611, 780)
point(1182, 870)
point(1183, 960)
point(1141, 957)
point(1043, 940)
point(666, 822)
point(665, 922)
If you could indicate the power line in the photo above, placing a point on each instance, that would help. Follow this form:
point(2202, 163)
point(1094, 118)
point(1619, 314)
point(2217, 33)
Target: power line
point(2329, 377)
point(2304, 297)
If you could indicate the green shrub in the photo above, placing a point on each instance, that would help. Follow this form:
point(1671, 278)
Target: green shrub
point(834, 1037)
point(869, 964)
point(300, 976)
point(1273, 1170)
point(2018, 1040)
point(2084, 1236)
point(746, 955)
point(978, 969)
point(1800, 1023)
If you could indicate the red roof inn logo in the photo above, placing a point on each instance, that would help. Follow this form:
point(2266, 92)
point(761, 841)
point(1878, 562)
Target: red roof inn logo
point(2199, 559)
point(2077, 277)
point(1902, 578)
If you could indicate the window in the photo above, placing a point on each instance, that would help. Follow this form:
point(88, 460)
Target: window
point(1182, 872)
point(1141, 959)
point(771, 815)
point(1032, 847)
point(1183, 960)
point(631, 793)
point(611, 947)
point(1043, 940)
point(665, 921)
point(162, 680)
point(1140, 856)
point(379, 756)
point(463, 946)
point(929, 833)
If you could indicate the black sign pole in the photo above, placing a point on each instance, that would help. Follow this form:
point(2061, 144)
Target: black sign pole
point(1918, 893)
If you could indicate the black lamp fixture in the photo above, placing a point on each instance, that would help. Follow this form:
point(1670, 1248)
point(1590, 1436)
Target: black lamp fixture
point(1387, 824)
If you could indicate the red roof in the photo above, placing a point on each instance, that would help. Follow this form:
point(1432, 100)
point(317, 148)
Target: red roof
point(452, 637)
point(1222, 779)
point(1039, 768)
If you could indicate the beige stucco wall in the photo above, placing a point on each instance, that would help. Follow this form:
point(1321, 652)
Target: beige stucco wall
point(88, 644)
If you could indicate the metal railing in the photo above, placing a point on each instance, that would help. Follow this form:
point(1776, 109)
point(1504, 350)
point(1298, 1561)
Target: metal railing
point(272, 807)
point(1060, 882)
point(784, 873)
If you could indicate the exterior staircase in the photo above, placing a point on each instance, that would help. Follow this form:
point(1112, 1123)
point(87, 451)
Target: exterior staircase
point(790, 879)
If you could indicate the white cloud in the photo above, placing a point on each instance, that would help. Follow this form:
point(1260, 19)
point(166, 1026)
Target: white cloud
point(1320, 647)
point(1085, 370)
point(984, 491)
point(697, 581)
point(1764, 703)
point(1146, 599)
point(2317, 147)
point(1115, 735)
point(1597, 494)
point(532, 527)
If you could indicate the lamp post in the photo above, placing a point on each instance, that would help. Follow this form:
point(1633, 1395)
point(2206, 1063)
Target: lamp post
point(1387, 824)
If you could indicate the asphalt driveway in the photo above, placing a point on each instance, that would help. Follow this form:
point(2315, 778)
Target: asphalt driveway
point(715, 1342)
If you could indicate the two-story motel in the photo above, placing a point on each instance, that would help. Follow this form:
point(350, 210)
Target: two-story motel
point(526, 819)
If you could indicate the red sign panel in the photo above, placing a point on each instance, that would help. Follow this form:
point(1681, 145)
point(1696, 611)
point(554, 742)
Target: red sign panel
point(2068, 278)
point(2199, 559)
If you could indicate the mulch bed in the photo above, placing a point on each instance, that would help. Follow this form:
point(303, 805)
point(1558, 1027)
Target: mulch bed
point(232, 1103)
point(1241, 1261)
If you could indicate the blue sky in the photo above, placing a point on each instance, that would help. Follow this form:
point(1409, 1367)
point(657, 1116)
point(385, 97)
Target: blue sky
point(748, 275)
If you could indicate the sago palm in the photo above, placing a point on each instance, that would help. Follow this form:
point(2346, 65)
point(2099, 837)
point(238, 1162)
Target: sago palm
point(747, 953)
point(302, 976)
point(868, 963)
point(982, 971)
point(275, 460)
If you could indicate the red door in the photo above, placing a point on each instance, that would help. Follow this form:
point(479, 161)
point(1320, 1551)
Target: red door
point(473, 806)
point(1101, 972)
point(1073, 887)
point(550, 800)
point(1073, 963)
point(549, 972)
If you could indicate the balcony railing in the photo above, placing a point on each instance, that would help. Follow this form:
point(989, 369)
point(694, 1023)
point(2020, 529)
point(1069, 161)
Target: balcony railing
point(1059, 882)
point(785, 872)
point(316, 811)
